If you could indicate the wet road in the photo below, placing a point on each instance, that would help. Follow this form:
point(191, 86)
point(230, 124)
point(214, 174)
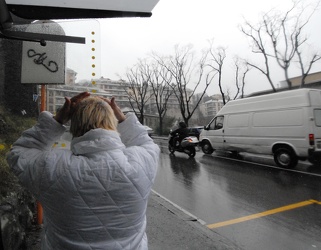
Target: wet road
point(256, 206)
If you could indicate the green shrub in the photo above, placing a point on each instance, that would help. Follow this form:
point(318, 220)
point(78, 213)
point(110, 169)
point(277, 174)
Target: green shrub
point(11, 127)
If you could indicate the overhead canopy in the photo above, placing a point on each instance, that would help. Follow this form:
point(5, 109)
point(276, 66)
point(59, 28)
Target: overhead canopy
point(12, 10)
point(76, 9)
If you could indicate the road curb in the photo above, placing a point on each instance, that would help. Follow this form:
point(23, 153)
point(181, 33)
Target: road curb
point(200, 230)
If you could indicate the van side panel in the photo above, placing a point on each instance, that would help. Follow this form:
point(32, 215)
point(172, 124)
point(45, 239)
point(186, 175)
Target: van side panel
point(257, 132)
point(315, 97)
point(237, 136)
point(281, 100)
point(237, 121)
point(287, 126)
point(278, 118)
point(256, 124)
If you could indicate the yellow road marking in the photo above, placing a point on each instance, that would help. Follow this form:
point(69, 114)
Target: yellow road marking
point(262, 214)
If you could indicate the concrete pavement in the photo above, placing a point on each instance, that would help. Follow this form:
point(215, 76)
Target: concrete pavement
point(171, 228)
point(168, 228)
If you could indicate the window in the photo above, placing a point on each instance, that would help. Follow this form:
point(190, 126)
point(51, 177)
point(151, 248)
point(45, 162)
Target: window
point(217, 123)
point(317, 117)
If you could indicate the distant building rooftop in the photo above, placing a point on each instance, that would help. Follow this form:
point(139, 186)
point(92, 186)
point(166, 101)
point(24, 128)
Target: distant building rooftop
point(313, 80)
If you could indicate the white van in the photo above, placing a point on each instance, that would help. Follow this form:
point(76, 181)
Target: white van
point(285, 124)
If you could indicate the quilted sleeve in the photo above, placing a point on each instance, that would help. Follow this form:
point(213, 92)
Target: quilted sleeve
point(28, 154)
point(133, 134)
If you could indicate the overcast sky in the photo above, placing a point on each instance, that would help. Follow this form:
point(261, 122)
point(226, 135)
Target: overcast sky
point(183, 22)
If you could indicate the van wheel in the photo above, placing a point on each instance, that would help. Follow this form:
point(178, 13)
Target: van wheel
point(285, 158)
point(207, 148)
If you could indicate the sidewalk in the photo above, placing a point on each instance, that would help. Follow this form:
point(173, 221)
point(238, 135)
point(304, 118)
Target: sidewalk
point(169, 228)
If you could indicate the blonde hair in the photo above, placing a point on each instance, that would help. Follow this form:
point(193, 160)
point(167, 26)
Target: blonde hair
point(92, 112)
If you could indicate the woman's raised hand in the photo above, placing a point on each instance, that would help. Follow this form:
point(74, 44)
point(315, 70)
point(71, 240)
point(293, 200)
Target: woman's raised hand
point(118, 113)
point(63, 115)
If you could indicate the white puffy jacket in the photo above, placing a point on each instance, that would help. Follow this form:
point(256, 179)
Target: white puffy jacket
point(95, 195)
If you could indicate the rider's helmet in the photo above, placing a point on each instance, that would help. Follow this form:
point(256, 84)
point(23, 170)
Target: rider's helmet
point(182, 125)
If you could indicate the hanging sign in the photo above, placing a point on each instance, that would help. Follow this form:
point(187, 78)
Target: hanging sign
point(43, 64)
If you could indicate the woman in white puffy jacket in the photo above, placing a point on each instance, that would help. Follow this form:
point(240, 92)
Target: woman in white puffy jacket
point(94, 196)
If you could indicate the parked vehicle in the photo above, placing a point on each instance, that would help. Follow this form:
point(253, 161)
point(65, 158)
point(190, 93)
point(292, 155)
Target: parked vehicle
point(286, 125)
point(186, 146)
point(195, 131)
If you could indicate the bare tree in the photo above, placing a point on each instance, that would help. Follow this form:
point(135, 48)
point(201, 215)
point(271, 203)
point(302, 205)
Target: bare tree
point(282, 42)
point(246, 70)
point(258, 47)
point(284, 32)
point(241, 70)
point(216, 62)
point(160, 80)
point(137, 89)
point(186, 72)
point(305, 70)
point(305, 66)
point(237, 69)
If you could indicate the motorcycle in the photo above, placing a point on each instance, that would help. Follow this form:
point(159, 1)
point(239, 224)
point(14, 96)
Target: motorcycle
point(186, 146)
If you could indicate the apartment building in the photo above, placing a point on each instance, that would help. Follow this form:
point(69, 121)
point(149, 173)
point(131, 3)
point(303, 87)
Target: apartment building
point(119, 89)
point(55, 94)
point(173, 106)
point(212, 106)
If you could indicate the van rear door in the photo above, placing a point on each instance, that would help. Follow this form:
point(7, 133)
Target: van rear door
point(315, 100)
point(317, 129)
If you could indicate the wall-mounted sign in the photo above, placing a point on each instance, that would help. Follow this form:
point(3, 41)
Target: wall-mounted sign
point(43, 64)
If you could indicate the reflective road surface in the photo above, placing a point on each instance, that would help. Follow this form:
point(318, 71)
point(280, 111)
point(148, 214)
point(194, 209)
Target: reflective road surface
point(257, 206)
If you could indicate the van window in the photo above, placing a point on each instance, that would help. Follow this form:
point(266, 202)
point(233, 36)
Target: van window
point(217, 123)
point(238, 120)
point(315, 98)
point(317, 117)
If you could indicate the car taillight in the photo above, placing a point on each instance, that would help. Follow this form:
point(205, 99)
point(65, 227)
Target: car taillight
point(311, 139)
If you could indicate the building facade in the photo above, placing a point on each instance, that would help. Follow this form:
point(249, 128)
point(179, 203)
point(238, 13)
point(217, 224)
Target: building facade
point(120, 89)
point(211, 107)
point(312, 80)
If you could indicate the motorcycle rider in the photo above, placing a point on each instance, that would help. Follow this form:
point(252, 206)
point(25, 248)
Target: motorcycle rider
point(182, 132)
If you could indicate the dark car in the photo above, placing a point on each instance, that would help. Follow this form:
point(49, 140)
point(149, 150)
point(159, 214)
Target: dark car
point(195, 131)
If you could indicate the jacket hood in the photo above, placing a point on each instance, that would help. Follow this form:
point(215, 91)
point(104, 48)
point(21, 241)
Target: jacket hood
point(96, 140)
